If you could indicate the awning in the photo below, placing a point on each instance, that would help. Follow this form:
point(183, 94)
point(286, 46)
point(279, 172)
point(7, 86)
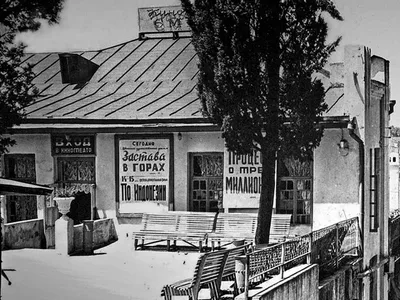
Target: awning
point(14, 187)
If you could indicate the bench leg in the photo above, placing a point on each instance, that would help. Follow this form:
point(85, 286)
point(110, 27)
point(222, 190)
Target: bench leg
point(135, 244)
point(200, 246)
point(142, 244)
point(168, 245)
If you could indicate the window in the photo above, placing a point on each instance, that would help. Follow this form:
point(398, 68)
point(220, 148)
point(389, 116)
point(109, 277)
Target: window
point(295, 189)
point(20, 167)
point(374, 159)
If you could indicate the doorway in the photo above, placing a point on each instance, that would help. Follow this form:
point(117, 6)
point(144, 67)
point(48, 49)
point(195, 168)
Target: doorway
point(77, 173)
point(206, 182)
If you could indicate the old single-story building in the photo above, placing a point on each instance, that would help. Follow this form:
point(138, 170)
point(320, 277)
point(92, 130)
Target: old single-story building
point(122, 127)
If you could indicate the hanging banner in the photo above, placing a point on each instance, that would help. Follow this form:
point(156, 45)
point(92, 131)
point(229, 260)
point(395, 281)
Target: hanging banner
point(144, 169)
point(242, 180)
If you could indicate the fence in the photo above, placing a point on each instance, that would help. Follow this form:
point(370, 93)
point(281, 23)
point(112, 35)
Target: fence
point(327, 247)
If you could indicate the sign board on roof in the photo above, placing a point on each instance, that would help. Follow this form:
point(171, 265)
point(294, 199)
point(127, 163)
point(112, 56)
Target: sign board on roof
point(162, 19)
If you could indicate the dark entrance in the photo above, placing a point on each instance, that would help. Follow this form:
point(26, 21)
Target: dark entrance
point(80, 208)
point(77, 174)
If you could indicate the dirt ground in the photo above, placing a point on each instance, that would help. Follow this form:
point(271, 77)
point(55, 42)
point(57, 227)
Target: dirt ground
point(115, 272)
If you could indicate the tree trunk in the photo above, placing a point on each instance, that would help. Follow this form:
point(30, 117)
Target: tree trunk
point(266, 198)
point(271, 35)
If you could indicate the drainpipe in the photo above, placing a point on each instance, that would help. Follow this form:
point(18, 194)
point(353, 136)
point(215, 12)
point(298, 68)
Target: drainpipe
point(351, 126)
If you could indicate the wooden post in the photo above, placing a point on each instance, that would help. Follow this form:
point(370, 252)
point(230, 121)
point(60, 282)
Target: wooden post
point(240, 272)
point(93, 201)
point(337, 246)
point(309, 256)
point(282, 268)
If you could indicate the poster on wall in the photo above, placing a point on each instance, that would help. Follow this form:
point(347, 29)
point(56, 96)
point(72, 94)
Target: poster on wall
point(143, 173)
point(242, 180)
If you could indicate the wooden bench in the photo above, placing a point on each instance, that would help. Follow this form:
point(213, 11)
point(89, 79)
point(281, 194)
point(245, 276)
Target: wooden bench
point(280, 227)
point(211, 268)
point(233, 226)
point(189, 227)
point(242, 226)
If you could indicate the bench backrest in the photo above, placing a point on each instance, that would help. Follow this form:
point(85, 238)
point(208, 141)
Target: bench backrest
point(280, 226)
point(160, 222)
point(209, 267)
point(237, 224)
point(196, 222)
point(229, 268)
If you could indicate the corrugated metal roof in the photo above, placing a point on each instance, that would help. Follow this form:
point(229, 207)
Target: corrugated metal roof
point(146, 80)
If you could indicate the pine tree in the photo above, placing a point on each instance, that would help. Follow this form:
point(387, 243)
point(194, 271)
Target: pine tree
point(256, 62)
point(16, 89)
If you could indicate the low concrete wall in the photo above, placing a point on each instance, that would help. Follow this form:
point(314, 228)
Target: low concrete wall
point(104, 233)
point(341, 285)
point(78, 238)
point(24, 234)
point(300, 283)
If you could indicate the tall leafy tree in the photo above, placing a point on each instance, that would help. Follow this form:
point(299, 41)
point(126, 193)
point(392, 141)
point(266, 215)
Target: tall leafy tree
point(16, 89)
point(256, 64)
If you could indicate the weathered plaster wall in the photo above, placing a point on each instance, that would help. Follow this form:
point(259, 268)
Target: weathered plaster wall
point(40, 145)
point(394, 186)
point(336, 180)
point(24, 234)
point(341, 285)
point(300, 283)
point(105, 175)
point(104, 233)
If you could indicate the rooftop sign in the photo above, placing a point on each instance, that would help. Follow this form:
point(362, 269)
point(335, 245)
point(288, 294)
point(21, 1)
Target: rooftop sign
point(162, 19)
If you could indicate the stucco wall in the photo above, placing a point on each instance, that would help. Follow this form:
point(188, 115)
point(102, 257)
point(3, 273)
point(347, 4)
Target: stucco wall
point(300, 283)
point(394, 186)
point(104, 233)
point(38, 144)
point(105, 175)
point(341, 285)
point(24, 234)
point(191, 143)
point(336, 180)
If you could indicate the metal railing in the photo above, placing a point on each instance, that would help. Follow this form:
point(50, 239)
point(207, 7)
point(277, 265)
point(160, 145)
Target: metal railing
point(327, 247)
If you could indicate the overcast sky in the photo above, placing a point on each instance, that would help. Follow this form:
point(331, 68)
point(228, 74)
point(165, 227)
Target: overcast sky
point(97, 24)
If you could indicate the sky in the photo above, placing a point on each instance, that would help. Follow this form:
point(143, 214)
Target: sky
point(98, 24)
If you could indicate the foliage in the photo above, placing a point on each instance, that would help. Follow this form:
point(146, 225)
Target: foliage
point(395, 131)
point(16, 89)
point(256, 64)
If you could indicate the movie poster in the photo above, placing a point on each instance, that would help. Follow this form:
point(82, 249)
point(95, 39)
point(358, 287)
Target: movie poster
point(144, 165)
point(242, 180)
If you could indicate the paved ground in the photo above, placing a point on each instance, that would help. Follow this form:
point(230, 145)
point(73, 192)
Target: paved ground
point(114, 272)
